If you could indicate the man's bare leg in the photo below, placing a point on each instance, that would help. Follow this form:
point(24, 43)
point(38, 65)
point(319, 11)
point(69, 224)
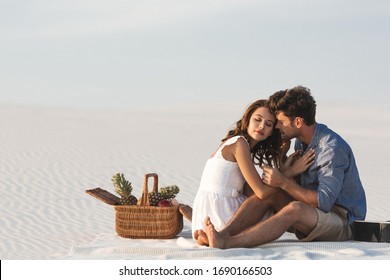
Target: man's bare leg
point(296, 214)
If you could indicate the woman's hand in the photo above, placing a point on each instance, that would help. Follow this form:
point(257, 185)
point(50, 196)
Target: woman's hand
point(285, 147)
point(272, 176)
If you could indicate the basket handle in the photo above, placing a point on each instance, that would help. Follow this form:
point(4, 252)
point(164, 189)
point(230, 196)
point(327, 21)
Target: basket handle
point(144, 200)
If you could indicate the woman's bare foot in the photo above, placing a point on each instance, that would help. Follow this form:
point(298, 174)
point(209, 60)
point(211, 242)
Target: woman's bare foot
point(201, 237)
point(214, 238)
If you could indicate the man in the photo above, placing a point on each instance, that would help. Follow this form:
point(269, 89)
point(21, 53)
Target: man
point(328, 198)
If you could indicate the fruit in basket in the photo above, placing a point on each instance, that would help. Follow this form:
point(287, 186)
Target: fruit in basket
point(165, 194)
point(169, 192)
point(154, 198)
point(124, 189)
point(164, 203)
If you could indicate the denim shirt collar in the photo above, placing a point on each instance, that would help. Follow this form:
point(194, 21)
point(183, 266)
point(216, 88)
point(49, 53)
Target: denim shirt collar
point(317, 135)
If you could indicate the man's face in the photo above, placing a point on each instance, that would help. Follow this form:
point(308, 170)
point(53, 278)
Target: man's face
point(287, 128)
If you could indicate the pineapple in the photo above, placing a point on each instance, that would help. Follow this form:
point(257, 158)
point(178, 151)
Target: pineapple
point(154, 198)
point(124, 189)
point(169, 192)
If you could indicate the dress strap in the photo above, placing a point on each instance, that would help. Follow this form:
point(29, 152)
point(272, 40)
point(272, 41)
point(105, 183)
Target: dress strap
point(227, 143)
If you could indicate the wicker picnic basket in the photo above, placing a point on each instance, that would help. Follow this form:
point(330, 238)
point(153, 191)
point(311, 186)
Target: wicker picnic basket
point(145, 221)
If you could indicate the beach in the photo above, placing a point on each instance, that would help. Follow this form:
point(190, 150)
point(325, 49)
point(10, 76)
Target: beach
point(93, 88)
point(51, 155)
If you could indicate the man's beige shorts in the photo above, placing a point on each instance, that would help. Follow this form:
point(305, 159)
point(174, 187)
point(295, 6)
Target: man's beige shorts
point(331, 226)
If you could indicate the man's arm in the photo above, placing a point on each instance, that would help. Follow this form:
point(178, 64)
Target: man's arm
point(333, 161)
point(331, 164)
point(275, 178)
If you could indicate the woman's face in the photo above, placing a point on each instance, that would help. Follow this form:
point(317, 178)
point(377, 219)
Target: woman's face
point(261, 125)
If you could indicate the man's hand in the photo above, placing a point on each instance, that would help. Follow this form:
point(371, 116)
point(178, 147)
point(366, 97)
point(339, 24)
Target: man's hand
point(297, 164)
point(289, 162)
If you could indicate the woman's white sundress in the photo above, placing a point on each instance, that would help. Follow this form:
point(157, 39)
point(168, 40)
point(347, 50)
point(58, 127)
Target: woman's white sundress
point(220, 191)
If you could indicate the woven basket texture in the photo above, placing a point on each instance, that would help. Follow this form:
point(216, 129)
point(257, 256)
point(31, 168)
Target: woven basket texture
point(148, 222)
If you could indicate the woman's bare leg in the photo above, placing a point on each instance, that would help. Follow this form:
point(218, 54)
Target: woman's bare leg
point(252, 211)
point(299, 215)
point(201, 237)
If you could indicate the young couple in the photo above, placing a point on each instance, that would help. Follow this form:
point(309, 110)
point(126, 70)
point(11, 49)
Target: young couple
point(315, 192)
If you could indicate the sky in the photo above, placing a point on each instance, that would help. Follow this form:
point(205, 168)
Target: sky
point(126, 54)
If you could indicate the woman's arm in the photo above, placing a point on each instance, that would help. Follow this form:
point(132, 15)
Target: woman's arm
point(240, 151)
point(247, 190)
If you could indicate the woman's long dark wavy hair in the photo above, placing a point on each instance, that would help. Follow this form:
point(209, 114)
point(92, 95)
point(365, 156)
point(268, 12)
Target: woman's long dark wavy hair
point(266, 151)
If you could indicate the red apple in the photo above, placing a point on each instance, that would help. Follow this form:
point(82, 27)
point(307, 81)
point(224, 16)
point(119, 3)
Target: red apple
point(164, 203)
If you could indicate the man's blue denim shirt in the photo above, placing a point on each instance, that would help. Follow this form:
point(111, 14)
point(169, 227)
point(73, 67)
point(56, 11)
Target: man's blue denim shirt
point(334, 174)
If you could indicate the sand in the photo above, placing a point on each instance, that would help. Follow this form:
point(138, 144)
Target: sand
point(49, 156)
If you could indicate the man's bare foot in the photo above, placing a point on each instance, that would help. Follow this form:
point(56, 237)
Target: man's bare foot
point(214, 238)
point(201, 237)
